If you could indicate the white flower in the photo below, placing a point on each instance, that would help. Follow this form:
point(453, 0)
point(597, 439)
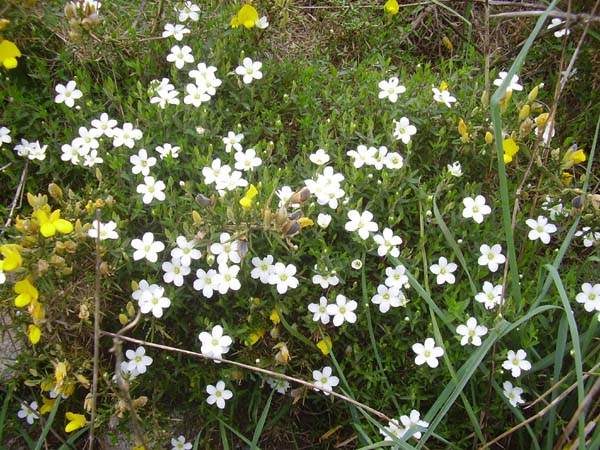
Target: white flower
point(491, 295)
point(362, 155)
point(327, 188)
point(427, 353)
point(67, 94)
point(323, 220)
point(126, 135)
point(185, 251)
point(516, 362)
point(589, 297)
point(147, 248)
point(154, 303)
point(413, 420)
point(151, 189)
point(589, 237)
point(175, 270)
point(513, 85)
point(390, 89)
point(215, 344)
point(361, 222)
point(71, 153)
point(540, 229)
point(28, 412)
point(180, 55)
point(388, 297)
point(404, 130)
point(475, 208)
point(388, 243)
point(554, 210)
point(87, 139)
point(4, 136)
point(91, 159)
point(443, 97)
point(177, 31)
point(196, 95)
point(207, 282)
point(283, 277)
point(443, 271)
point(188, 11)
point(396, 276)
point(262, 268)
point(247, 160)
point(218, 394)
point(144, 291)
point(31, 150)
point(455, 169)
point(226, 250)
point(261, 23)
point(342, 310)
point(393, 160)
point(228, 180)
point(107, 230)
point(512, 393)
point(250, 70)
point(491, 256)
point(471, 332)
point(180, 444)
point(356, 264)
point(165, 93)
point(325, 278)
point(556, 22)
point(138, 360)
point(393, 430)
point(280, 386)
point(142, 162)
point(166, 150)
point(233, 141)
point(319, 158)
point(319, 311)
point(229, 279)
point(324, 380)
point(104, 125)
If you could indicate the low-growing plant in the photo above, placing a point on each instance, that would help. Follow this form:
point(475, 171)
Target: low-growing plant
point(212, 243)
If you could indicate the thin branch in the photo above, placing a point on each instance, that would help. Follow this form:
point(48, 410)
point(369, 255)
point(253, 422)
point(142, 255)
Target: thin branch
point(18, 196)
point(270, 373)
point(562, 15)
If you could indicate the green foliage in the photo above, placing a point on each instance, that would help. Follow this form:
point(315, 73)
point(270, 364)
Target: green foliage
point(321, 71)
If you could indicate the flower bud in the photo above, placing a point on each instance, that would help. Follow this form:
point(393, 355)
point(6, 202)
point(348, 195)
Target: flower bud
point(489, 137)
point(524, 113)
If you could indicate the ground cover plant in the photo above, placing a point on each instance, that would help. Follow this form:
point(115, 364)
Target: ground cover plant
point(299, 225)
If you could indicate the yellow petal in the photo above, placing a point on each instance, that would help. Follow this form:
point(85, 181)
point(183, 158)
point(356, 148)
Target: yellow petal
point(246, 202)
point(443, 86)
point(76, 421)
point(510, 147)
point(34, 334)
point(63, 226)
point(254, 337)
point(566, 178)
point(391, 7)
point(12, 257)
point(324, 345)
point(305, 222)
point(22, 300)
point(48, 403)
point(275, 317)
point(247, 16)
point(507, 158)
point(8, 54)
point(48, 229)
point(489, 137)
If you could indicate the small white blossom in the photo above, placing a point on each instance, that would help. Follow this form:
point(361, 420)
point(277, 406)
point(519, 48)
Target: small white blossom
point(404, 130)
point(455, 169)
point(589, 297)
point(362, 223)
point(516, 362)
point(147, 248)
point(443, 271)
point(490, 296)
point(427, 352)
point(512, 393)
point(138, 360)
point(342, 310)
point(215, 344)
point(218, 394)
point(475, 208)
point(390, 89)
point(471, 332)
point(180, 56)
point(177, 31)
point(319, 311)
point(67, 94)
point(249, 70)
point(443, 97)
point(107, 230)
point(514, 82)
point(540, 229)
point(324, 380)
point(491, 256)
point(151, 189)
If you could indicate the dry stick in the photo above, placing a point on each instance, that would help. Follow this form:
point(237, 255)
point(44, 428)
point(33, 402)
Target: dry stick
point(18, 195)
point(250, 368)
point(96, 330)
point(583, 408)
point(568, 16)
point(532, 418)
point(121, 383)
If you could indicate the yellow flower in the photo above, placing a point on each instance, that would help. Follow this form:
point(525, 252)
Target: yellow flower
point(391, 7)
point(246, 201)
point(27, 293)
point(462, 130)
point(324, 345)
point(566, 178)
point(275, 317)
point(254, 337)
point(60, 373)
point(246, 16)
point(76, 421)
point(12, 257)
point(36, 309)
point(49, 225)
point(9, 54)
point(305, 222)
point(510, 148)
point(34, 334)
point(48, 403)
point(572, 157)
